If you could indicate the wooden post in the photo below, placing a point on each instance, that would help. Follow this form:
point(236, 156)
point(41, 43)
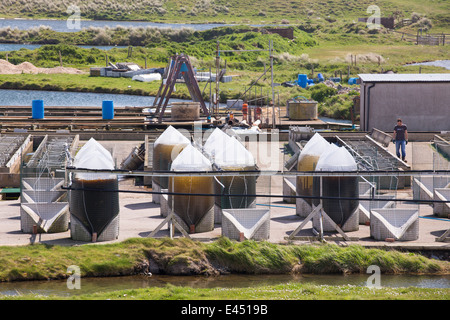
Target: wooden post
point(106, 59)
point(145, 63)
point(7, 57)
point(60, 58)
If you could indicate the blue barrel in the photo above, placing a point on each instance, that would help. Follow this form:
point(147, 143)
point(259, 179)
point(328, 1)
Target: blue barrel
point(108, 110)
point(320, 77)
point(302, 80)
point(184, 67)
point(352, 81)
point(37, 109)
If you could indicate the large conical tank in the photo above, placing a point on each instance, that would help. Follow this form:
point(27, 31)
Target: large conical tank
point(216, 141)
point(165, 149)
point(190, 208)
point(93, 201)
point(337, 186)
point(307, 161)
point(233, 156)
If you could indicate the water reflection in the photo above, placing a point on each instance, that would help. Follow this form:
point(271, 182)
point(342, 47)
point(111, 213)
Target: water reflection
point(92, 285)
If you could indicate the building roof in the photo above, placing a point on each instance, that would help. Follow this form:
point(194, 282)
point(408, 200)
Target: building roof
point(405, 77)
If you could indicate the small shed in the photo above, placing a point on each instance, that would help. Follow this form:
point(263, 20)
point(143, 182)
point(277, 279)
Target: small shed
point(422, 101)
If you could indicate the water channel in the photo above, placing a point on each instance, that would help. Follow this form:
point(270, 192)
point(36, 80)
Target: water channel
point(18, 46)
point(62, 98)
point(438, 63)
point(92, 285)
point(62, 25)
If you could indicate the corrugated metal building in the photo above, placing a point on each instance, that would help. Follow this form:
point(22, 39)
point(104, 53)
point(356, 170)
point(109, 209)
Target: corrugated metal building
point(422, 101)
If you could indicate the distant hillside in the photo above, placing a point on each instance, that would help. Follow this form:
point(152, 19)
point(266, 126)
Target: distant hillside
point(227, 11)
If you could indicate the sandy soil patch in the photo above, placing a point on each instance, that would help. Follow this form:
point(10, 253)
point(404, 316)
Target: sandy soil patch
point(27, 67)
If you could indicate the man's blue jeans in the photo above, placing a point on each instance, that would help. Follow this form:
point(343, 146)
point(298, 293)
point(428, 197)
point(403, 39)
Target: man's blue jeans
point(400, 144)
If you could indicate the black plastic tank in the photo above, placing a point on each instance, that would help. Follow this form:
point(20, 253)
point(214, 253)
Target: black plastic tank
point(94, 209)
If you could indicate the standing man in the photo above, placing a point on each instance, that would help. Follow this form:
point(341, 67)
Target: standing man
point(400, 138)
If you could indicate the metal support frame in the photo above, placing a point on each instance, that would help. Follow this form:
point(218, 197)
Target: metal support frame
point(171, 222)
point(166, 89)
point(257, 173)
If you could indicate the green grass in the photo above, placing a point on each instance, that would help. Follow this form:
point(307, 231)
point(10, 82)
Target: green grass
point(288, 291)
point(187, 257)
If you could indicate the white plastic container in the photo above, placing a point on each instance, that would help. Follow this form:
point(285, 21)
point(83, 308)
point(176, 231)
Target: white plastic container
point(307, 161)
point(147, 77)
point(165, 149)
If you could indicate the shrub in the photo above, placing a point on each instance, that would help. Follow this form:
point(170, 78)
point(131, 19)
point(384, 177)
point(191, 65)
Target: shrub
point(321, 92)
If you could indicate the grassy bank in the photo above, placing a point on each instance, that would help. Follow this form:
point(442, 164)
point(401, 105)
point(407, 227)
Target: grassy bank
point(187, 257)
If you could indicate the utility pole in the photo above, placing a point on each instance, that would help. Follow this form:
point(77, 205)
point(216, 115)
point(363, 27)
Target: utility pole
point(271, 83)
point(216, 102)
